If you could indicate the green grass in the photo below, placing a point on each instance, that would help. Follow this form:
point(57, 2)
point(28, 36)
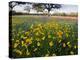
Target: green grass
point(38, 36)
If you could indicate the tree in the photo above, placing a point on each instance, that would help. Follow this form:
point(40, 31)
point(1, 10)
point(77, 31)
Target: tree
point(50, 6)
point(12, 5)
point(38, 7)
point(27, 8)
point(42, 6)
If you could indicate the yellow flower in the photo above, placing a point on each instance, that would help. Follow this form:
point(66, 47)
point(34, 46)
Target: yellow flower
point(28, 41)
point(27, 33)
point(18, 51)
point(37, 39)
point(37, 34)
point(43, 38)
point(28, 53)
point(42, 33)
point(17, 41)
point(36, 29)
point(71, 52)
point(60, 41)
point(39, 24)
point(60, 33)
point(69, 46)
point(16, 44)
point(46, 55)
point(68, 43)
point(75, 46)
point(38, 44)
point(54, 54)
point(50, 43)
point(64, 45)
point(23, 44)
point(35, 49)
point(12, 39)
point(22, 36)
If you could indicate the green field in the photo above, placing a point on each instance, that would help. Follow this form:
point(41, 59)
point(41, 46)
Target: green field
point(39, 36)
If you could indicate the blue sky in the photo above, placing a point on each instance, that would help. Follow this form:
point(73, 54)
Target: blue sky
point(65, 8)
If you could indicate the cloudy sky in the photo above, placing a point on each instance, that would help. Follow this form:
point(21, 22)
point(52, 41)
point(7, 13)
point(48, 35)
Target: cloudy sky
point(69, 8)
point(64, 8)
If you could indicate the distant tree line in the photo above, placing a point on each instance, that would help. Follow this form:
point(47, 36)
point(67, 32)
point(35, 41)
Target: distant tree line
point(66, 14)
point(39, 7)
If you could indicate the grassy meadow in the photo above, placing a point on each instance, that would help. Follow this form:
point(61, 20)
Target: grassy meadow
point(39, 36)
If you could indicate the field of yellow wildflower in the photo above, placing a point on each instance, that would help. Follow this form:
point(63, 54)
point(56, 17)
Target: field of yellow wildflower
point(43, 36)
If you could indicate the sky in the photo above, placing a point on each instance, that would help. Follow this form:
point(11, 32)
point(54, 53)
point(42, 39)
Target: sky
point(64, 8)
point(69, 8)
